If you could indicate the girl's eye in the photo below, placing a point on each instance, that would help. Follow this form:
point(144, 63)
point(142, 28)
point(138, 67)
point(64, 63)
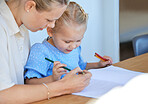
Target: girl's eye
point(67, 41)
point(78, 40)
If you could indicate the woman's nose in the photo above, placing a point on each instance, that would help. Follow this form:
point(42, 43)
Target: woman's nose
point(51, 24)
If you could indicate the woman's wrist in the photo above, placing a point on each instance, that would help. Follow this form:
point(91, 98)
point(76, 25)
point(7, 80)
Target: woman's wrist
point(48, 91)
point(57, 88)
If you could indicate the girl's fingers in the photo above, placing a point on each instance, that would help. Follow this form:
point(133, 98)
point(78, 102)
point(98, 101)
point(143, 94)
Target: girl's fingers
point(59, 65)
point(61, 73)
point(109, 59)
point(56, 62)
point(59, 70)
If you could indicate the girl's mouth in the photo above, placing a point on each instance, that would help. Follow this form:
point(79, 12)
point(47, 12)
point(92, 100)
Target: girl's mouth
point(68, 50)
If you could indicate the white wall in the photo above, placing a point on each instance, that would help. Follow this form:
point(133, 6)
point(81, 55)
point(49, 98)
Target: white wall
point(111, 28)
point(103, 29)
point(92, 41)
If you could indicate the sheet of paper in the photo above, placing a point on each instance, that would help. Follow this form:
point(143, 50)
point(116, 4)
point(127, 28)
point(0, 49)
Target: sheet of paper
point(103, 80)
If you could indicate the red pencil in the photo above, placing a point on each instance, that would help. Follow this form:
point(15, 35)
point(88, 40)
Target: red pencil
point(100, 57)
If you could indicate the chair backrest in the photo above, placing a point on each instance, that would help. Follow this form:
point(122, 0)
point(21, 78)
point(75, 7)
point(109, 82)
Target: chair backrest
point(140, 44)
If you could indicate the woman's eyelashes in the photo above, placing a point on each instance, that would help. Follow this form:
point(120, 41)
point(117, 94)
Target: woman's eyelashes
point(49, 20)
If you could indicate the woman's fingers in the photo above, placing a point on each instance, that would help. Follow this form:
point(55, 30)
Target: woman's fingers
point(77, 82)
point(76, 70)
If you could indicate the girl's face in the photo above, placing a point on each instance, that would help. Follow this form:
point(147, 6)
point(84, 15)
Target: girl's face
point(35, 20)
point(68, 37)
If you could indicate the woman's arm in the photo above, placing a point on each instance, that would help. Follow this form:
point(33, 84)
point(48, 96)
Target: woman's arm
point(31, 93)
point(48, 79)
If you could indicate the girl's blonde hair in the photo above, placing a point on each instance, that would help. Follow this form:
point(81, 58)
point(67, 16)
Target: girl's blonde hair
point(73, 14)
point(44, 4)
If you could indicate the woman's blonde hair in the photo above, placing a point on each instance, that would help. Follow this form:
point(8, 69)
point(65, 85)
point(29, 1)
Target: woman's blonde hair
point(44, 4)
point(73, 14)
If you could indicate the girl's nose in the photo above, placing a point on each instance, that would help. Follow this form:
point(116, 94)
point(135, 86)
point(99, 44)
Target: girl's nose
point(73, 46)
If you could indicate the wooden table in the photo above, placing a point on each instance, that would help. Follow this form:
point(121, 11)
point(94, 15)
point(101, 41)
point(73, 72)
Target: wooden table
point(139, 63)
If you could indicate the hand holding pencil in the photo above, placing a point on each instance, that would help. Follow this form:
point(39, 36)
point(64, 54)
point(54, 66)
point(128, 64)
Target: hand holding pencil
point(104, 61)
point(63, 66)
point(58, 70)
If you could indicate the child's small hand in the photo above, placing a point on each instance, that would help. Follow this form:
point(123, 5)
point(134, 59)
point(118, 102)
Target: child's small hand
point(58, 71)
point(105, 63)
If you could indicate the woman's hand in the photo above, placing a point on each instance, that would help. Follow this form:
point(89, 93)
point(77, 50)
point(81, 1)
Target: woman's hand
point(76, 82)
point(58, 71)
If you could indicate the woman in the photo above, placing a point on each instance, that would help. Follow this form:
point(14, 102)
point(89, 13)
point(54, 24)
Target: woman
point(16, 16)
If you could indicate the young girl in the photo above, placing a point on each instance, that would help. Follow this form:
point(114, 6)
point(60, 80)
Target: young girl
point(16, 16)
point(63, 47)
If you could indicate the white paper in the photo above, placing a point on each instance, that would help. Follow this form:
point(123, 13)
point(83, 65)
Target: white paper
point(103, 80)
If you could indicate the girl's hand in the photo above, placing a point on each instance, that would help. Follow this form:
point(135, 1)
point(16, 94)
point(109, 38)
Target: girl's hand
point(58, 71)
point(105, 63)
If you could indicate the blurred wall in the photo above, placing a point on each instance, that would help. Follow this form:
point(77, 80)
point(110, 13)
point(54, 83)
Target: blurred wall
point(133, 19)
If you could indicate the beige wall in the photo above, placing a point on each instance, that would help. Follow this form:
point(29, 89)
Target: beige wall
point(133, 19)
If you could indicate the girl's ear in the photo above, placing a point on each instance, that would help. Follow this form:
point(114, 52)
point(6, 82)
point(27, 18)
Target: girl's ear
point(29, 5)
point(49, 31)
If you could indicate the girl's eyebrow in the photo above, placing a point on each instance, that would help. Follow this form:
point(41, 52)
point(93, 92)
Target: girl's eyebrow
point(69, 40)
point(73, 40)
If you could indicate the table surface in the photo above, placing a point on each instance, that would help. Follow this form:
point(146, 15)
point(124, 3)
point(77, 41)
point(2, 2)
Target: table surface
point(138, 63)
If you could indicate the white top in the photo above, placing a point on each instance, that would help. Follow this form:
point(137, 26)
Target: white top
point(14, 49)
